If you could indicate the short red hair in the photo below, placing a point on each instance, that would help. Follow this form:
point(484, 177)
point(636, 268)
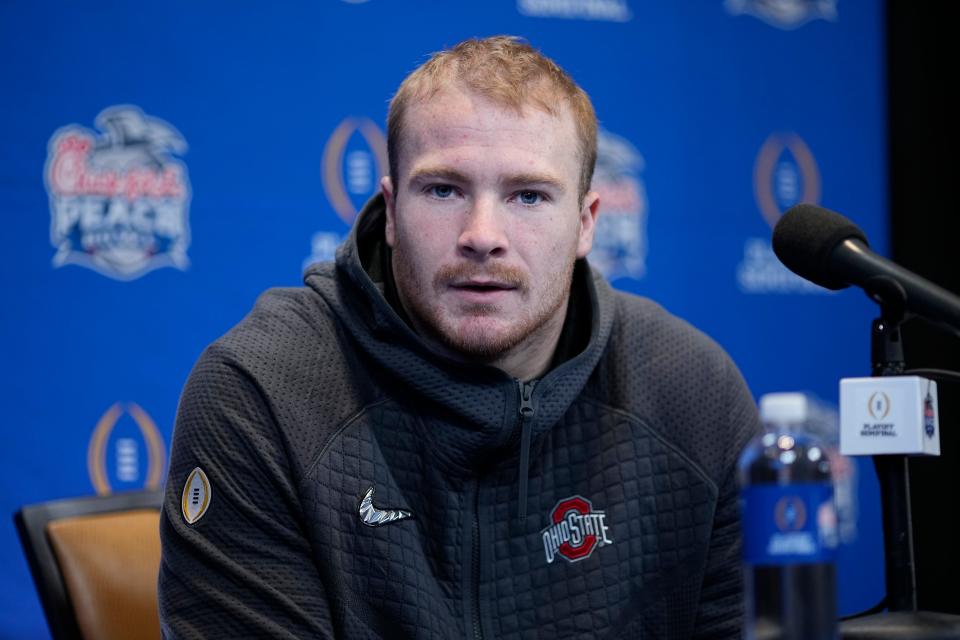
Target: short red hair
point(507, 71)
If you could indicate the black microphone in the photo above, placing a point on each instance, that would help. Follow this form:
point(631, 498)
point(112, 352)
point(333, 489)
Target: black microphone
point(829, 250)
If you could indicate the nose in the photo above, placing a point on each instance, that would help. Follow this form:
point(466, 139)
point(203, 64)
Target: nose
point(483, 234)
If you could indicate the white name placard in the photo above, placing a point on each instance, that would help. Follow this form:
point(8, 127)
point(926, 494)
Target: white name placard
point(889, 415)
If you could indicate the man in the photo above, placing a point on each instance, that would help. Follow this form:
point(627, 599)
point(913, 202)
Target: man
point(458, 429)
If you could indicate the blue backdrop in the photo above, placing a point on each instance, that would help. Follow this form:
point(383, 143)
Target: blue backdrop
point(163, 163)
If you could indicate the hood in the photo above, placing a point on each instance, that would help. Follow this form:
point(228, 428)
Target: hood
point(479, 404)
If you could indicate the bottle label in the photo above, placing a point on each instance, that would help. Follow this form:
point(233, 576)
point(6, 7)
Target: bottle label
point(792, 524)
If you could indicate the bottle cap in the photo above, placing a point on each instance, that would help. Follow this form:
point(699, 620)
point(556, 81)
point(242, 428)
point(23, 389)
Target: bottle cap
point(784, 407)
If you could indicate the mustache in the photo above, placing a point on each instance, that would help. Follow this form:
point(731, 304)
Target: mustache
point(499, 273)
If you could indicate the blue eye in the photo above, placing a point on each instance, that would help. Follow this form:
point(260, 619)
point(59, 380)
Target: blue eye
point(530, 197)
point(441, 190)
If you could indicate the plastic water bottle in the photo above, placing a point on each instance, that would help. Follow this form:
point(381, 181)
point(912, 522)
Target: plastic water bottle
point(789, 528)
point(822, 421)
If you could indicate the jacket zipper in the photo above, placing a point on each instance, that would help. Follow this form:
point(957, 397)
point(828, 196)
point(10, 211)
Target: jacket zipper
point(475, 540)
point(525, 412)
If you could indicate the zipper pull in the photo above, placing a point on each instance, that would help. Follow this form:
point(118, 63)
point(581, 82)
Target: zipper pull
point(526, 392)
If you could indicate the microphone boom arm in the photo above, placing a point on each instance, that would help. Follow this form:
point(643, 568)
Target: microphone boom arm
point(919, 295)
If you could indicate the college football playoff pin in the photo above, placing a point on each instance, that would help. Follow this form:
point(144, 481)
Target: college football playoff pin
point(196, 496)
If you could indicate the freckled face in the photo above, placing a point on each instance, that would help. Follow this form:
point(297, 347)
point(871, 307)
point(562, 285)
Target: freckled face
point(485, 223)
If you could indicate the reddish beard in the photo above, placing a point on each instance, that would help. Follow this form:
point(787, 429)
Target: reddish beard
point(482, 343)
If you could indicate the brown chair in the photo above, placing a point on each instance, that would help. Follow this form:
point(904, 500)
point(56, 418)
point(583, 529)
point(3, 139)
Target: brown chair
point(94, 561)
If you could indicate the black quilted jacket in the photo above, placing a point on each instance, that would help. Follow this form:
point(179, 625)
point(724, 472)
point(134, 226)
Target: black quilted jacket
point(599, 503)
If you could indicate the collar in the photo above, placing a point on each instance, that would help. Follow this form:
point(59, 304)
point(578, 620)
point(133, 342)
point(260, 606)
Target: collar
point(471, 409)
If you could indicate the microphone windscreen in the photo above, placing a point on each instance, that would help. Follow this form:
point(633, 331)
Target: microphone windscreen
point(804, 240)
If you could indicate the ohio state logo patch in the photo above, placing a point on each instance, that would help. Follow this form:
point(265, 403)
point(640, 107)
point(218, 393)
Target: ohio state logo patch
point(575, 530)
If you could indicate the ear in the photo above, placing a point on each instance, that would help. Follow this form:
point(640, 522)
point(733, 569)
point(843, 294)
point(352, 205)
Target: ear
point(588, 223)
point(389, 197)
